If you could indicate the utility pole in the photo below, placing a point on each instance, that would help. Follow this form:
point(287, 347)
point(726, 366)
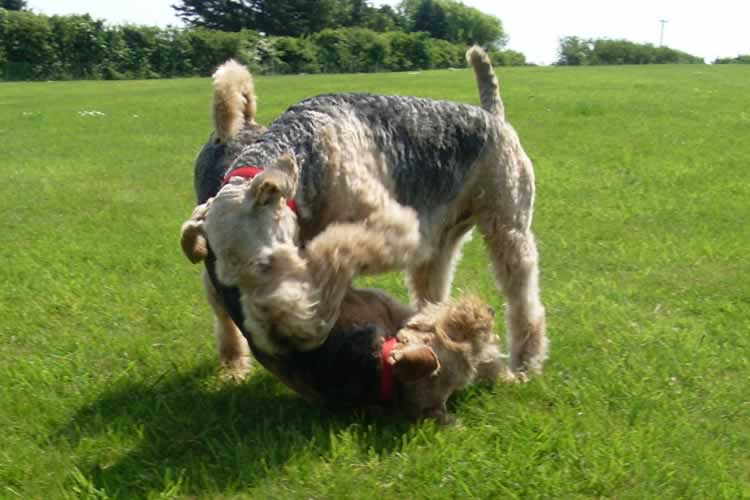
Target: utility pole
point(661, 34)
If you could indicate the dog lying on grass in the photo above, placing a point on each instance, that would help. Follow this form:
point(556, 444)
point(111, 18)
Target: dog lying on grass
point(369, 161)
point(378, 352)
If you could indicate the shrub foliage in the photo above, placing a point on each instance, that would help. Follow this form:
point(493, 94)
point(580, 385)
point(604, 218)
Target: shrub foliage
point(575, 51)
point(39, 47)
point(741, 59)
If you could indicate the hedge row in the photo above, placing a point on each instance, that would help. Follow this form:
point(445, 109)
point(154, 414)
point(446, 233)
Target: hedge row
point(575, 51)
point(740, 59)
point(38, 47)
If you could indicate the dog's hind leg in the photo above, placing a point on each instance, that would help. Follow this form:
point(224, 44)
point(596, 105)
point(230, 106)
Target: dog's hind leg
point(515, 261)
point(430, 281)
point(234, 353)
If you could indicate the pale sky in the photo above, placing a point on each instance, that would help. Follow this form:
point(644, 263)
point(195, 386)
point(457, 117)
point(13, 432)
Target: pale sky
point(718, 28)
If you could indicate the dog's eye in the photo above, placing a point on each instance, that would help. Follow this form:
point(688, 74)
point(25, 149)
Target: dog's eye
point(263, 265)
point(402, 338)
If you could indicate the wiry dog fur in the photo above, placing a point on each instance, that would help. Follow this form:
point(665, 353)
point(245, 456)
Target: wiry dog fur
point(234, 99)
point(439, 350)
point(290, 297)
point(362, 157)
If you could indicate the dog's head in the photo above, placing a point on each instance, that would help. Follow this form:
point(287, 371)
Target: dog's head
point(249, 220)
point(245, 224)
point(461, 336)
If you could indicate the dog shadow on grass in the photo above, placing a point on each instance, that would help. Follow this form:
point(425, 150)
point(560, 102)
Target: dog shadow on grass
point(190, 431)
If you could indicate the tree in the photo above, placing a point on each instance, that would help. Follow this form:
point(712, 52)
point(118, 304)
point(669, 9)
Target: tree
point(574, 51)
point(225, 15)
point(300, 17)
point(508, 58)
point(463, 24)
point(430, 18)
point(13, 4)
point(359, 13)
point(272, 17)
point(27, 45)
point(469, 25)
point(741, 59)
point(384, 19)
point(80, 45)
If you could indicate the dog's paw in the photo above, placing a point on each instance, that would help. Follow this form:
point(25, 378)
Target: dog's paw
point(441, 416)
point(234, 376)
point(395, 357)
point(448, 419)
point(509, 376)
point(235, 371)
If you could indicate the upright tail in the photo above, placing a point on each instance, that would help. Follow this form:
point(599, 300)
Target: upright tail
point(234, 99)
point(489, 89)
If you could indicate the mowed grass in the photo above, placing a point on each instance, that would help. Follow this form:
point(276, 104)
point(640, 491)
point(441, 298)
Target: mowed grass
point(108, 373)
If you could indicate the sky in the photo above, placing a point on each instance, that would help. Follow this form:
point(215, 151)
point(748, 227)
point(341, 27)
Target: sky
point(718, 28)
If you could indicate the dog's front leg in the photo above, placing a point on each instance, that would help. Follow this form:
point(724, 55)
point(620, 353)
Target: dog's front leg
point(234, 352)
point(383, 241)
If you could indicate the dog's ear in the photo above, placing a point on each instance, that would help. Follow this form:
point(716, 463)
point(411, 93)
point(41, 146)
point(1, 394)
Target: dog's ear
point(276, 181)
point(192, 237)
point(414, 362)
point(193, 241)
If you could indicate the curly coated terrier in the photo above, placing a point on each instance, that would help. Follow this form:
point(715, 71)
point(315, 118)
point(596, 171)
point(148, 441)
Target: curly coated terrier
point(378, 353)
point(365, 160)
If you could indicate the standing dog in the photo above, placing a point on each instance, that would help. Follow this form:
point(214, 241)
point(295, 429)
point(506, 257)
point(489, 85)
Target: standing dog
point(372, 160)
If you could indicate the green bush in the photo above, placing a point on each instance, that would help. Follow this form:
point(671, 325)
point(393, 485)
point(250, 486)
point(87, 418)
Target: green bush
point(209, 48)
point(3, 31)
point(444, 54)
point(80, 44)
point(741, 59)
point(507, 58)
point(576, 51)
point(295, 55)
point(368, 51)
point(35, 47)
point(409, 51)
point(334, 51)
point(26, 44)
point(350, 50)
point(173, 53)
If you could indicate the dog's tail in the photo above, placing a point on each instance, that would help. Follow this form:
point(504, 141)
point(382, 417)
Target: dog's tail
point(489, 89)
point(234, 99)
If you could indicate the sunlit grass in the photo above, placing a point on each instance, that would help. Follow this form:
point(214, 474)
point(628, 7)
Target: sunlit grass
point(108, 377)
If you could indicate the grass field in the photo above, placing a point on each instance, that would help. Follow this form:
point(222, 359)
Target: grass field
point(108, 375)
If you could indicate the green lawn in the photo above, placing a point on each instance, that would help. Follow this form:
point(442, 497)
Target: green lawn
point(109, 381)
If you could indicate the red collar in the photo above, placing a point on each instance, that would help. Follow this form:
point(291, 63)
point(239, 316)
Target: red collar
point(386, 370)
point(248, 172)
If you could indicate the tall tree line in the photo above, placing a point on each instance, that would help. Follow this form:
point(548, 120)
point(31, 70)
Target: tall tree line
point(285, 17)
point(442, 19)
point(13, 4)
